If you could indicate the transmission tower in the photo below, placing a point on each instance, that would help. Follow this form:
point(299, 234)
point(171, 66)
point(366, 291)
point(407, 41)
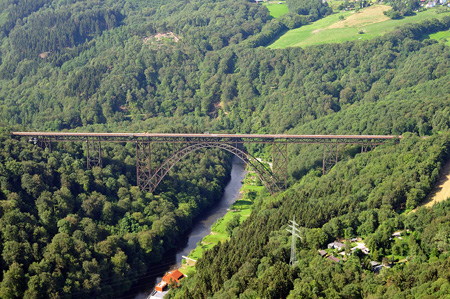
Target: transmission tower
point(295, 231)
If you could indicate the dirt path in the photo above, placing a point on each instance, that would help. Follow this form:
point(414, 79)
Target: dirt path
point(441, 190)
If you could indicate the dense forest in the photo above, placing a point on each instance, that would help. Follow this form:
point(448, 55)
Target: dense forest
point(68, 231)
point(196, 66)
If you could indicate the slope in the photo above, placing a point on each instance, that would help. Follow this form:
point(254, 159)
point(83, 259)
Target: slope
point(366, 24)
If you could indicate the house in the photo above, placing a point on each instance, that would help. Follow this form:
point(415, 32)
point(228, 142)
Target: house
point(174, 276)
point(334, 259)
point(336, 245)
point(322, 253)
point(361, 246)
point(396, 234)
point(161, 286)
point(171, 277)
point(376, 266)
point(258, 1)
point(430, 4)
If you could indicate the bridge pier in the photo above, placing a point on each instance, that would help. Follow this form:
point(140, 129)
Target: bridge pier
point(45, 143)
point(143, 165)
point(42, 142)
point(93, 153)
point(330, 156)
point(367, 146)
point(280, 163)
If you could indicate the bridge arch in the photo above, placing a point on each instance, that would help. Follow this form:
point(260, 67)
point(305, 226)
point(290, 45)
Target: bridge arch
point(263, 173)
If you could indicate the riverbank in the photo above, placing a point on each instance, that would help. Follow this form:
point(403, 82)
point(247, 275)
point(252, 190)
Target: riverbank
point(189, 240)
point(222, 229)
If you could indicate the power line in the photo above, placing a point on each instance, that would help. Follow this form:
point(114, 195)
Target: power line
point(295, 231)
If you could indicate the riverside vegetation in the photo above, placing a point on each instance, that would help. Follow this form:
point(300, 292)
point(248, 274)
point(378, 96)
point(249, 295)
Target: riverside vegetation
point(195, 66)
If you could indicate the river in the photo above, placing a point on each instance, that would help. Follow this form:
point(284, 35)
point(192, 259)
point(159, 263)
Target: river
point(201, 228)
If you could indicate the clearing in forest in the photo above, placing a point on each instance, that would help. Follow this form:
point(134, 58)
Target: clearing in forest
point(365, 24)
point(441, 190)
point(276, 8)
point(442, 36)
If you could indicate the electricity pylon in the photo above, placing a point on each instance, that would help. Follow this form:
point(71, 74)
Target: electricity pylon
point(293, 228)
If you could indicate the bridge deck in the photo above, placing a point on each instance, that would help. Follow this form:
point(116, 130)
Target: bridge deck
point(124, 137)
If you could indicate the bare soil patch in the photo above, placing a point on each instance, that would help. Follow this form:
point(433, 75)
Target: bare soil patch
point(44, 54)
point(441, 190)
point(367, 16)
point(160, 36)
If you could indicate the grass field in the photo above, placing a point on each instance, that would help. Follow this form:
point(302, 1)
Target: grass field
point(218, 230)
point(443, 36)
point(276, 10)
point(366, 24)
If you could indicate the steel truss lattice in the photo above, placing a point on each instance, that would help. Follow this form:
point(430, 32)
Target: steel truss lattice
point(279, 163)
point(143, 164)
point(264, 174)
point(93, 153)
point(368, 146)
point(180, 145)
point(330, 156)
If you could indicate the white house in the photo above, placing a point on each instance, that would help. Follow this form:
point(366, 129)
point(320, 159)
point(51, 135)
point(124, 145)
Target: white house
point(336, 245)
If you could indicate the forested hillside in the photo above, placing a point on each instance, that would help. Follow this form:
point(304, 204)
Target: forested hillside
point(68, 231)
point(361, 197)
point(196, 66)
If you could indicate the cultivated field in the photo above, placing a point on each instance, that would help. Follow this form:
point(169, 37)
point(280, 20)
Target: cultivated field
point(366, 24)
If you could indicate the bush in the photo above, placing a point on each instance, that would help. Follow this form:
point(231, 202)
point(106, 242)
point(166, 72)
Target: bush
point(393, 14)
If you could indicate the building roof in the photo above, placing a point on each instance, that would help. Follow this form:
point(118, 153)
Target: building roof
point(373, 263)
point(173, 275)
point(322, 253)
point(334, 259)
point(337, 244)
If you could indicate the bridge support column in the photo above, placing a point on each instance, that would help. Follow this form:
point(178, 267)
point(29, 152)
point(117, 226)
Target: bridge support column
point(367, 146)
point(45, 143)
point(42, 142)
point(279, 164)
point(93, 153)
point(330, 156)
point(144, 165)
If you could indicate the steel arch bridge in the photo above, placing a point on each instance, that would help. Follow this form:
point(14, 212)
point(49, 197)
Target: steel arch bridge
point(263, 173)
point(149, 177)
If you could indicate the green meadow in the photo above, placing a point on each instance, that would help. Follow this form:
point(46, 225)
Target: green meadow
point(442, 36)
point(349, 25)
point(276, 10)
